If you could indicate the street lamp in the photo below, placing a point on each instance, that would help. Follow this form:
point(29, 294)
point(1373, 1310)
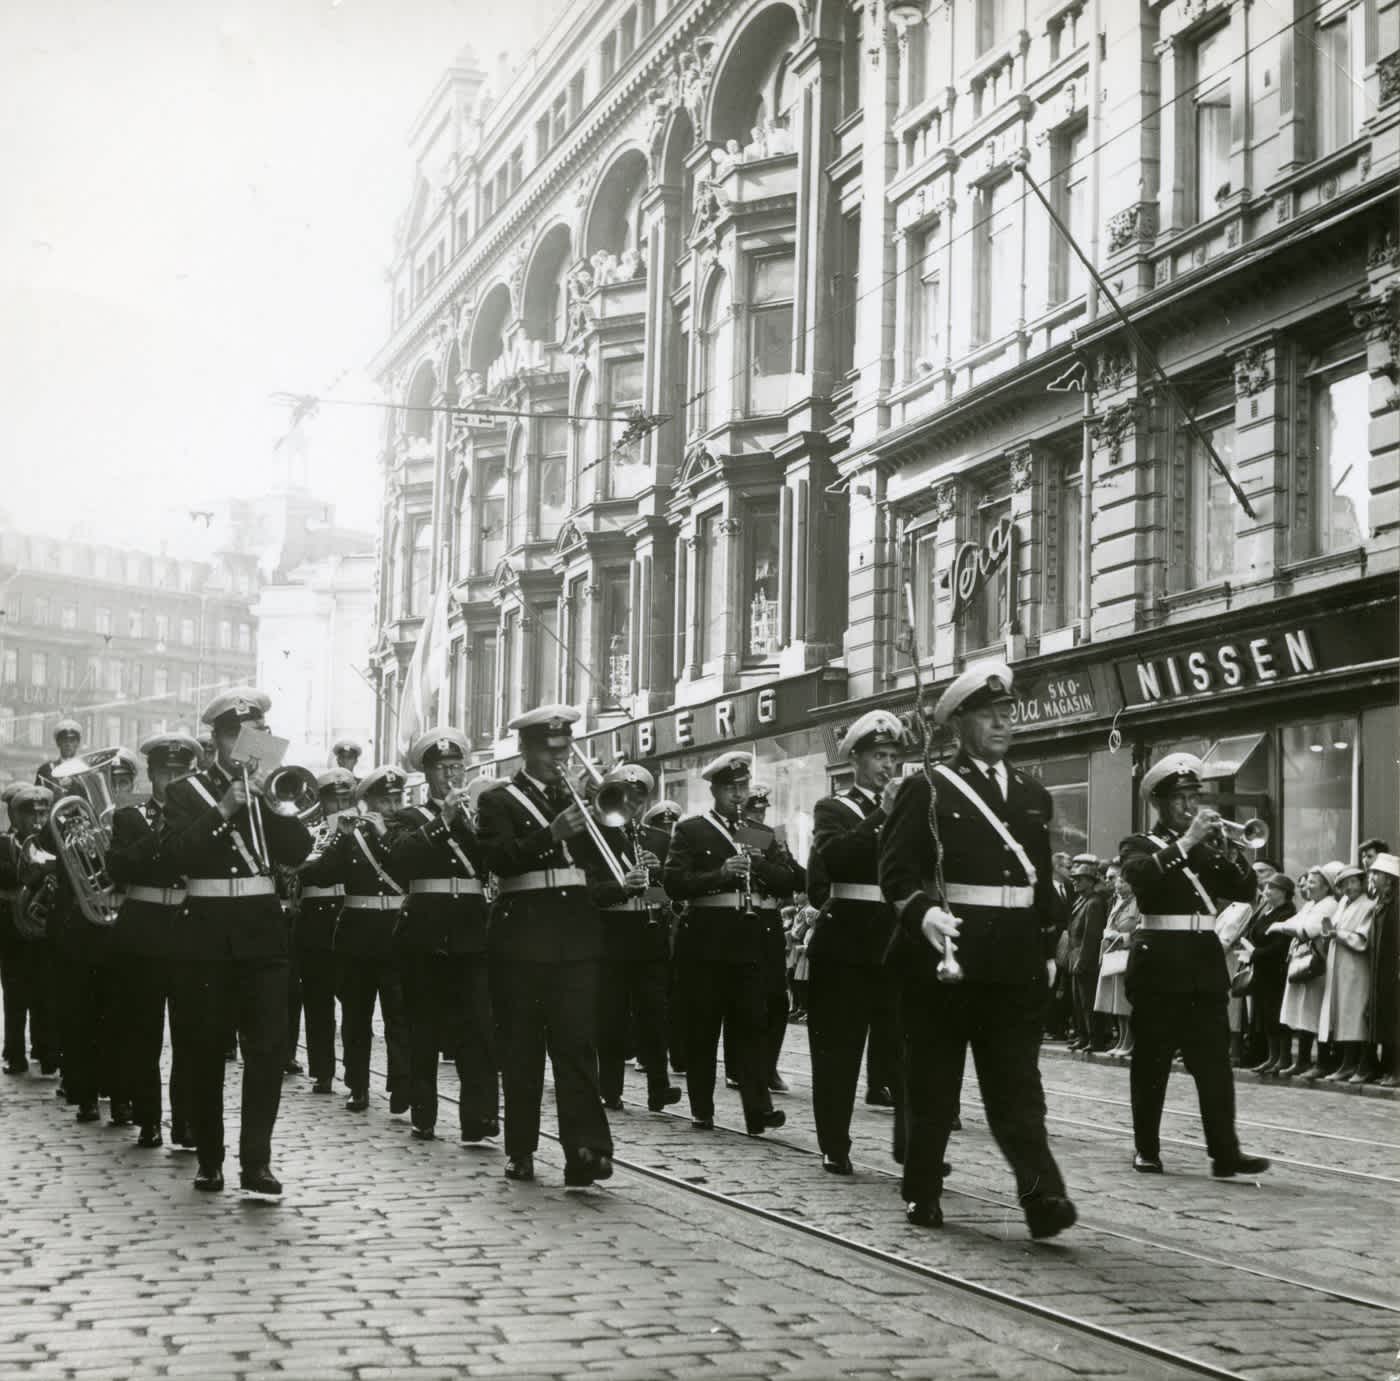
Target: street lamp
point(904, 14)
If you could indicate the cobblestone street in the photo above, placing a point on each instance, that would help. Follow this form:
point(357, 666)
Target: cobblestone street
point(389, 1257)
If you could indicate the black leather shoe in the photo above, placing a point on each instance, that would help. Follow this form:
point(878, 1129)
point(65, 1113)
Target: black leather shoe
point(770, 1121)
point(47, 1069)
point(89, 1112)
point(670, 1098)
point(150, 1137)
point(209, 1179)
point(730, 1083)
point(121, 1115)
point(838, 1165)
point(399, 1103)
point(424, 1134)
point(181, 1135)
point(777, 1084)
point(703, 1124)
point(16, 1067)
point(1049, 1215)
point(521, 1168)
point(1148, 1165)
point(475, 1134)
point(1240, 1165)
point(260, 1180)
point(585, 1166)
point(923, 1213)
point(60, 1091)
point(613, 1104)
point(291, 1067)
point(357, 1102)
point(322, 1086)
point(879, 1098)
point(956, 1125)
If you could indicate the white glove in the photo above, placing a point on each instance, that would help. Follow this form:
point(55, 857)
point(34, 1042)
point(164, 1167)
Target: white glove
point(938, 924)
point(1050, 972)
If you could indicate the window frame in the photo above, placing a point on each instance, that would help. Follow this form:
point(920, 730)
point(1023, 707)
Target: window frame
point(757, 314)
point(1204, 202)
point(1347, 361)
point(1214, 412)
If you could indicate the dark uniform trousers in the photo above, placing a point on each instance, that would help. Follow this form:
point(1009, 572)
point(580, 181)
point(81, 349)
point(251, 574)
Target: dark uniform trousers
point(732, 996)
point(546, 946)
point(315, 962)
point(999, 1008)
point(1179, 986)
point(25, 980)
point(148, 994)
point(844, 1003)
point(632, 1012)
point(448, 1003)
point(365, 979)
point(232, 966)
point(89, 1011)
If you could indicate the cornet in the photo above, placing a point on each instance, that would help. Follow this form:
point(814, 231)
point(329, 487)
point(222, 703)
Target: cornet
point(1253, 834)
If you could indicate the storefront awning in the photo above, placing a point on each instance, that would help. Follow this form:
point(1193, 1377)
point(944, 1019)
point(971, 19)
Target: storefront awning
point(1227, 756)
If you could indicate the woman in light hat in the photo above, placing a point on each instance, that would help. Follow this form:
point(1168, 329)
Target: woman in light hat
point(1385, 971)
point(1302, 998)
point(1110, 997)
point(1347, 982)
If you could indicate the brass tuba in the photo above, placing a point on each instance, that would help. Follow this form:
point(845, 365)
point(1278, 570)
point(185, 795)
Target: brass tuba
point(292, 790)
point(80, 822)
point(34, 903)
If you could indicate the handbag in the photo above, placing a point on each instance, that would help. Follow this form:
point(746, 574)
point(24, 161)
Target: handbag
point(1305, 963)
point(1113, 963)
point(1242, 980)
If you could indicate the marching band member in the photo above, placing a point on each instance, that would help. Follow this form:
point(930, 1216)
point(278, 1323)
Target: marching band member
point(234, 960)
point(441, 942)
point(25, 961)
point(992, 847)
point(850, 993)
point(727, 883)
point(357, 859)
point(1176, 977)
point(317, 912)
point(68, 738)
point(636, 928)
point(347, 752)
point(545, 948)
point(658, 822)
point(148, 939)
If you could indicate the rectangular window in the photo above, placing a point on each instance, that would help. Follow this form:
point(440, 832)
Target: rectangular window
point(11, 666)
point(135, 623)
point(760, 593)
point(187, 632)
point(36, 730)
point(848, 293)
point(926, 351)
point(1069, 542)
point(420, 566)
point(709, 589)
point(225, 634)
point(770, 332)
point(627, 32)
point(552, 491)
point(1319, 770)
point(481, 722)
point(68, 617)
point(647, 21)
point(136, 680)
point(186, 686)
point(115, 676)
point(1211, 504)
point(67, 674)
point(517, 167)
point(607, 59)
point(627, 470)
point(160, 682)
point(987, 619)
point(162, 628)
point(576, 97)
point(1340, 418)
point(574, 614)
point(558, 117)
point(998, 266)
point(39, 669)
point(920, 558)
point(542, 136)
point(1339, 87)
point(992, 24)
point(510, 681)
point(616, 632)
point(7, 725)
point(491, 505)
point(488, 201)
point(1070, 197)
point(245, 637)
point(544, 654)
point(113, 723)
point(103, 622)
point(39, 610)
point(1210, 98)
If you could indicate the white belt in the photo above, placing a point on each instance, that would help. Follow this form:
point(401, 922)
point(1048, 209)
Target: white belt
point(545, 880)
point(1003, 898)
point(357, 902)
point(319, 893)
point(232, 887)
point(1193, 922)
point(452, 887)
point(730, 901)
point(856, 891)
point(162, 896)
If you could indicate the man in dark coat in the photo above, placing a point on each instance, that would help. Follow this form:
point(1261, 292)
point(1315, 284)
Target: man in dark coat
point(850, 992)
point(1182, 872)
point(26, 962)
point(440, 943)
point(545, 948)
point(68, 738)
point(980, 892)
point(233, 955)
point(1086, 925)
point(147, 941)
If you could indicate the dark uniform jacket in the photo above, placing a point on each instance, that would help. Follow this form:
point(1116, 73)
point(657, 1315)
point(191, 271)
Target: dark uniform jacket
point(1169, 961)
point(9, 887)
point(846, 848)
point(635, 933)
point(1086, 926)
point(557, 926)
point(364, 933)
point(316, 917)
point(200, 843)
point(421, 845)
point(693, 863)
point(134, 858)
point(995, 944)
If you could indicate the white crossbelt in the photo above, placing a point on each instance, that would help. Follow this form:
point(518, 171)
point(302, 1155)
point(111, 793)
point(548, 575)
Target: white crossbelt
point(451, 887)
point(321, 893)
point(1195, 921)
point(717, 901)
point(232, 887)
point(545, 880)
point(360, 902)
point(1004, 898)
point(856, 891)
point(161, 896)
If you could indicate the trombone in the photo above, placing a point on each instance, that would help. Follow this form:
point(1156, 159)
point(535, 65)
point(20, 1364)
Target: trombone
point(609, 809)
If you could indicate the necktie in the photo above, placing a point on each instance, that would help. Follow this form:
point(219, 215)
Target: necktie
point(996, 786)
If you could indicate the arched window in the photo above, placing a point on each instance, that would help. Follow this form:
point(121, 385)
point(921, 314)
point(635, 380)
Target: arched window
point(715, 353)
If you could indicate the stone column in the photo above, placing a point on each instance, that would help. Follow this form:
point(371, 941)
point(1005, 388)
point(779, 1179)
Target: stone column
point(1128, 545)
point(871, 574)
point(1027, 516)
point(1262, 447)
point(661, 219)
point(734, 625)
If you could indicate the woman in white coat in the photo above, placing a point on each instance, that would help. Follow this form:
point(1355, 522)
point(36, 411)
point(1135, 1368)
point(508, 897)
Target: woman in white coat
point(1109, 997)
point(1302, 998)
point(1346, 995)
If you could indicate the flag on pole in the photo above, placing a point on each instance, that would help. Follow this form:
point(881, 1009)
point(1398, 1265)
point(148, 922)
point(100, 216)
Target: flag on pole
point(426, 676)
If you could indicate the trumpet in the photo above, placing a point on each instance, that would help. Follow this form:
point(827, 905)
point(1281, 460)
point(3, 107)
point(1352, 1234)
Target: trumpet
point(1253, 834)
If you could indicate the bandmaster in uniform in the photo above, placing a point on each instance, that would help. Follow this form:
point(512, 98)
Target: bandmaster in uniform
point(994, 839)
point(850, 992)
point(545, 949)
point(1182, 872)
point(441, 942)
point(233, 969)
point(727, 888)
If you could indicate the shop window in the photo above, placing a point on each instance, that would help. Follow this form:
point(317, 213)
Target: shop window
point(481, 720)
point(925, 346)
point(1339, 87)
point(627, 468)
point(1340, 456)
point(492, 502)
point(794, 769)
point(1210, 111)
point(1067, 781)
point(1210, 512)
point(770, 332)
point(709, 589)
point(987, 616)
point(1318, 779)
point(997, 249)
point(760, 594)
point(551, 490)
point(616, 632)
point(1070, 195)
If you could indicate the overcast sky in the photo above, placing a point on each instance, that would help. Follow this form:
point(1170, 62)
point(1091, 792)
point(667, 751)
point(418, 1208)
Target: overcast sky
point(199, 201)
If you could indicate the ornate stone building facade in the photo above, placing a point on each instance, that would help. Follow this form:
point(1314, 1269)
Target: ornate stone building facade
point(799, 234)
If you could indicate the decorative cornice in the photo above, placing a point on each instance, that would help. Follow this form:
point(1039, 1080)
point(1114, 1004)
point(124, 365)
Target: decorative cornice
point(1253, 371)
